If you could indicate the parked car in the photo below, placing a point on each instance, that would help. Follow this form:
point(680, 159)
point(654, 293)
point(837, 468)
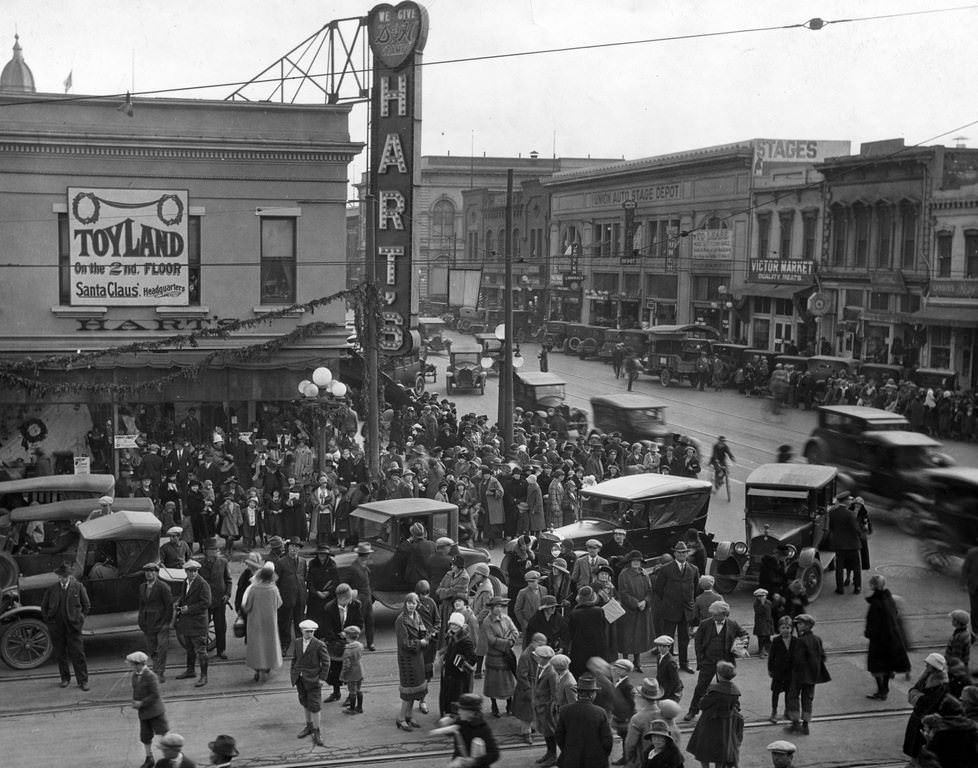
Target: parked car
point(130, 540)
point(432, 330)
point(556, 334)
point(833, 441)
point(491, 347)
point(472, 320)
point(537, 391)
point(785, 504)
point(892, 472)
point(935, 378)
point(880, 373)
point(824, 367)
point(634, 415)
point(949, 521)
point(675, 349)
point(465, 371)
point(385, 524)
point(655, 510)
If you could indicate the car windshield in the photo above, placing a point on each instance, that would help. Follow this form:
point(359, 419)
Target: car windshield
point(776, 505)
point(467, 357)
point(646, 416)
point(665, 512)
point(548, 390)
point(375, 531)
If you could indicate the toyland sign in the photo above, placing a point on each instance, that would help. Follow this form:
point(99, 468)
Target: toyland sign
point(128, 247)
point(397, 39)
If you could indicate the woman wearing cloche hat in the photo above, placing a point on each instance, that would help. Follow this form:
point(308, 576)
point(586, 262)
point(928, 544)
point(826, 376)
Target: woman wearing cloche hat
point(925, 696)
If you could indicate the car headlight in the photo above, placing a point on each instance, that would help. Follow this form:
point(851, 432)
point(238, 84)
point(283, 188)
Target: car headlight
point(740, 548)
point(792, 551)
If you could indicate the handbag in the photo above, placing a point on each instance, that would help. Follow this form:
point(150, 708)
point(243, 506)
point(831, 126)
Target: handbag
point(240, 626)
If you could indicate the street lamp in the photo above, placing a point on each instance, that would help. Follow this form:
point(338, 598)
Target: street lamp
point(322, 389)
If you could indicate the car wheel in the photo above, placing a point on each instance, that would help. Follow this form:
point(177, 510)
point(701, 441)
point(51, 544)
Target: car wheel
point(665, 377)
point(811, 578)
point(26, 644)
point(814, 454)
point(940, 556)
point(573, 344)
point(464, 325)
point(419, 385)
point(908, 517)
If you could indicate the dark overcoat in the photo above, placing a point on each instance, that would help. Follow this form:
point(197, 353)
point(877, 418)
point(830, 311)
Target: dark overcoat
point(196, 600)
point(635, 627)
point(720, 729)
point(587, 634)
point(583, 735)
point(887, 644)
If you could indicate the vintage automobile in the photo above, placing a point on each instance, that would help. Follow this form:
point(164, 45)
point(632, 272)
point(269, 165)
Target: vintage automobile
point(948, 523)
point(732, 357)
point(881, 373)
point(536, 391)
point(655, 510)
point(491, 347)
point(833, 441)
point(636, 416)
point(797, 362)
point(472, 320)
point(785, 504)
point(824, 367)
point(56, 502)
point(935, 378)
point(385, 524)
point(675, 349)
point(130, 540)
point(402, 379)
point(892, 471)
point(465, 371)
point(556, 334)
point(432, 330)
point(610, 340)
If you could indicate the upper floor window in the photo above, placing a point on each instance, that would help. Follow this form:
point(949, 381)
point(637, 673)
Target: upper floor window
point(786, 219)
point(971, 253)
point(64, 261)
point(808, 237)
point(443, 219)
point(884, 239)
point(944, 254)
point(490, 243)
point(908, 245)
point(278, 236)
point(764, 235)
point(840, 231)
point(860, 215)
point(193, 259)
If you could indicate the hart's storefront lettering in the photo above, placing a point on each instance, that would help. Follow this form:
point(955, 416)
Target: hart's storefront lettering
point(151, 325)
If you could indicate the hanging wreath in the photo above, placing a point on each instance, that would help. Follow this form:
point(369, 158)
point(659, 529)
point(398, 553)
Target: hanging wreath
point(32, 431)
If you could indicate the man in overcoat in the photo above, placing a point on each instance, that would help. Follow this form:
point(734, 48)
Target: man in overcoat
point(587, 631)
point(155, 617)
point(64, 608)
point(341, 612)
point(310, 666)
point(582, 731)
point(675, 586)
point(585, 569)
point(713, 642)
point(193, 619)
point(214, 570)
point(292, 573)
point(845, 539)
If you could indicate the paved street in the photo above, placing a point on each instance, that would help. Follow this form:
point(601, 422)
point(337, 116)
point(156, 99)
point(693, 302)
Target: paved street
point(848, 728)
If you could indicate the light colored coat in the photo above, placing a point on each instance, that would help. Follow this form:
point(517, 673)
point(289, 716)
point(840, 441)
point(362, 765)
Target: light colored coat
point(261, 603)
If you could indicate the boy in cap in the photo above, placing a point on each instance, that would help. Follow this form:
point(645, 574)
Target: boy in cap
point(176, 551)
point(667, 671)
point(310, 666)
point(155, 617)
point(763, 621)
point(528, 600)
point(351, 671)
point(782, 753)
point(193, 620)
point(147, 702)
point(172, 747)
point(807, 670)
point(959, 644)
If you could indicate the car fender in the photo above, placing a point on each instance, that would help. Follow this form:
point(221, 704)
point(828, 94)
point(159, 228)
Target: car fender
point(724, 551)
point(21, 612)
point(807, 557)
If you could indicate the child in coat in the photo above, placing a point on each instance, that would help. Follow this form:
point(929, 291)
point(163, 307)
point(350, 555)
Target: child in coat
point(797, 600)
point(351, 671)
point(959, 644)
point(779, 664)
point(705, 598)
point(763, 621)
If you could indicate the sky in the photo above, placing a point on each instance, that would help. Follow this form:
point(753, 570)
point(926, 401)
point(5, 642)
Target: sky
point(910, 77)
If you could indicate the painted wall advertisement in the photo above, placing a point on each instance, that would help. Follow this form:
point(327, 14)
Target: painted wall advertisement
point(770, 153)
point(128, 247)
point(712, 244)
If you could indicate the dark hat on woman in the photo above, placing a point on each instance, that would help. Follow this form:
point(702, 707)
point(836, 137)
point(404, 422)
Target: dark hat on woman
point(224, 745)
point(470, 701)
point(586, 596)
point(634, 555)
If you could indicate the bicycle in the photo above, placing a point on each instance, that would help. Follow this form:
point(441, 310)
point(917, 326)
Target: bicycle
point(721, 477)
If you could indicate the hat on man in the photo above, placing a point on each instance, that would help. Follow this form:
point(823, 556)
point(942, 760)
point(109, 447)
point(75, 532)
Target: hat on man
point(592, 543)
point(586, 596)
point(544, 652)
point(619, 532)
point(560, 662)
point(532, 576)
point(323, 549)
point(587, 682)
point(353, 631)
point(294, 540)
point(276, 542)
point(937, 661)
point(664, 640)
point(151, 567)
point(680, 547)
point(174, 530)
point(560, 564)
point(364, 548)
point(308, 624)
point(605, 569)
point(547, 601)
point(224, 746)
point(137, 657)
point(805, 618)
point(211, 543)
point(719, 606)
point(782, 747)
point(106, 500)
point(191, 565)
point(625, 665)
point(658, 728)
point(498, 601)
point(760, 592)
point(960, 617)
point(444, 541)
point(172, 739)
point(417, 530)
point(650, 689)
point(470, 701)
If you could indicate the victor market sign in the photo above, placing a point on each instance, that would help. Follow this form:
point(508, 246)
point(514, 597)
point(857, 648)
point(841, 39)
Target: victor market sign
point(781, 270)
point(128, 247)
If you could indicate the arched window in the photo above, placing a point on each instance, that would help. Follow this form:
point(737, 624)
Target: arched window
point(443, 219)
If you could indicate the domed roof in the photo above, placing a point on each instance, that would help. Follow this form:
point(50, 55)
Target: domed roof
point(17, 76)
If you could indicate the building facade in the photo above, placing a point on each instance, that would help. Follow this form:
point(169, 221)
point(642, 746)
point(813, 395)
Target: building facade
point(121, 230)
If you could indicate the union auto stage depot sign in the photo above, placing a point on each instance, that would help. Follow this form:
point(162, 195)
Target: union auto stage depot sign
point(128, 247)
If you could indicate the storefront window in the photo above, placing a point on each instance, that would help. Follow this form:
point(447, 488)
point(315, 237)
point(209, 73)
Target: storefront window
point(761, 333)
point(665, 313)
point(940, 347)
point(277, 260)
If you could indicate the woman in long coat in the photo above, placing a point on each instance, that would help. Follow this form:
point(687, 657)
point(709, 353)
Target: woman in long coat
point(412, 639)
point(887, 644)
point(534, 499)
point(720, 729)
point(556, 495)
point(925, 696)
point(458, 661)
point(526, 673)
point(635, 595)
point(480, 593)
point(321, 583)
point(495, 511)
point(501, 635)
point(260, 605)
point(587, 631)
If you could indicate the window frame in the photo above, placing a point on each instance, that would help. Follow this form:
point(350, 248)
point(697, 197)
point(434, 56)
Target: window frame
point(943, 255)
point(268, 299)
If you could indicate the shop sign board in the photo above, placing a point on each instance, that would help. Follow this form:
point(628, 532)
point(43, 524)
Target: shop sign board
point(397, 36)
point(83, 465)
point(125, 441)
point(712, 244)
point(128, 247)
point(770, 152)
point(781, 270)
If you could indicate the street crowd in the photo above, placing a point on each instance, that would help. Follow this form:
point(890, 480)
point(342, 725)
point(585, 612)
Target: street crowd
point(565, 652)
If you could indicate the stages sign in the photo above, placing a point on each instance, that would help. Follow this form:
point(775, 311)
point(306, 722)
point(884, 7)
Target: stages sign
point(397, 39)
point(128, 247)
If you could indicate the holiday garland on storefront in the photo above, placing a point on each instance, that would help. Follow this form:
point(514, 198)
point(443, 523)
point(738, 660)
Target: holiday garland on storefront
point(24, 374)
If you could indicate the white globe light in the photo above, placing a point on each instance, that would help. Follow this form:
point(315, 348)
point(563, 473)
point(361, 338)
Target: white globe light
point(339, 389)
point(311, 390)
point(486, 362)
point(302, 386)
point(500, 332)
point(322, 376)
point(518, 361)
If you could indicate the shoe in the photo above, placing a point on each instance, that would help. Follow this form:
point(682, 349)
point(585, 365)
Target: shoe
point(371, 648)
point(773, 718)
point(528, 738)
point(688, 670)
point(187, 674)
point(549, 760)
point(793, 728)
point(331, 698)
point(477, 676)
point(423, 708)
point(402, 724)
point(840, 591)
point(201, 682)
point(856, 590)
point(317, 738)
point(878, 696)
point(149, 762)
point(689, 717)
point(414, 724)
point(804, 728)
point(64, 683)
point(222, 656)
point(307, 731)
point(83, 686)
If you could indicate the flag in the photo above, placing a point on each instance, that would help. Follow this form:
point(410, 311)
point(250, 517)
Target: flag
point(68, 81)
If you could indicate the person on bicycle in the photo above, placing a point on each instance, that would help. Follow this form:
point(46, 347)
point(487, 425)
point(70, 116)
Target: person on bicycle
point(721, 454)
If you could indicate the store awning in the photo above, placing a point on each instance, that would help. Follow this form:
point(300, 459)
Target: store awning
point(772, 291)
point(958, 316)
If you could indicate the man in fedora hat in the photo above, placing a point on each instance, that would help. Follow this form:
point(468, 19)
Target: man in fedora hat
point(360, 580)
point(321, 583)
point(146, 700)
point(412, 557)
point(292, 573)
point(214, 570)
point(223, 749)
point(587, 631)
point(155, 617)
point(310, 666)
point(639, 724)
point(675, 586)
point(64, 607)
point(713, 643)
point(547, 622)
point(172, 746)
point(193, 620)
point(468, 724)
point(582, 731)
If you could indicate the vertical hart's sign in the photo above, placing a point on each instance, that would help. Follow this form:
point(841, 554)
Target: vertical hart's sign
point(128, 247)
point(397, 39)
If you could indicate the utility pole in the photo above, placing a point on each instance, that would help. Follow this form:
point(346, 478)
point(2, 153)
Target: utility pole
point(505, 416)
